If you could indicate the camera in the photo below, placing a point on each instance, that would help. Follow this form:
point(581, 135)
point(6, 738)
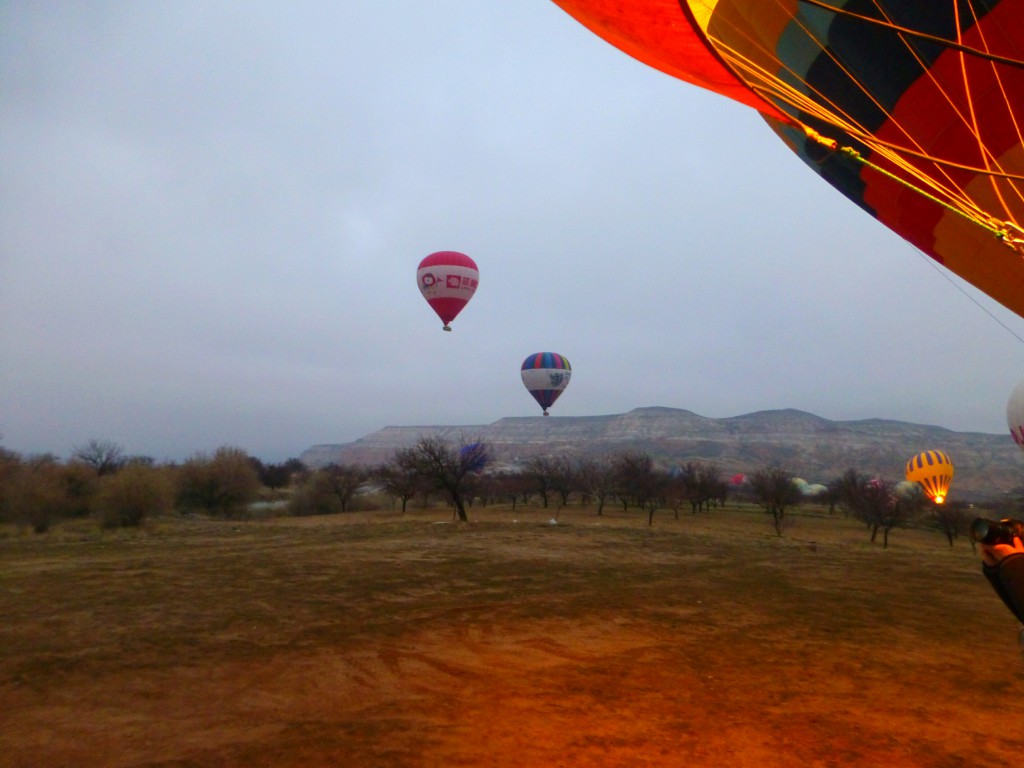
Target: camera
point(991, 532)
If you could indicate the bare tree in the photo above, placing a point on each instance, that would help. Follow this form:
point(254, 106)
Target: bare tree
point(952, 519)
point(628, 468)
point(342, 481)
point(513, 486)
point(105, 456)
point(445, 466)
point(565, 479)
point(276, 476)
point(675, 492)
point(774, 490)
point(875, 503)
point(10, 469)
point(832, 495)
point(889, 509)
point(397, 482)
point(639, 482)
point(701, 484)
point(654, 497)
point(551, 476)
point(541, 473)
point(596, 477)
point(844, 489)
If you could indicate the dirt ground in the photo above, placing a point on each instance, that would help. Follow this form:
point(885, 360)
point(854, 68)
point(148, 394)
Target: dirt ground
point(380, 639)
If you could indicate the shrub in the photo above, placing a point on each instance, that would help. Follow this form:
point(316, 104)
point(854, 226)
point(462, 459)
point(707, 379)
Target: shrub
point(126, 498)
point(35, 495)
point(80, 483)
point(306, 501)
point(222, 485)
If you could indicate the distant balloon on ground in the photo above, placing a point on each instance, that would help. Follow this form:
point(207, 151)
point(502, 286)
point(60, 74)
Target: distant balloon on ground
point(1015, 415)
point(447, 280)
point(474, 457)
point(907, 490)
point(546, 375)
point(934, 471)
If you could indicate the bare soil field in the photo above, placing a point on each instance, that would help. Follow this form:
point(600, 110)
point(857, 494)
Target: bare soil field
point(381, 639)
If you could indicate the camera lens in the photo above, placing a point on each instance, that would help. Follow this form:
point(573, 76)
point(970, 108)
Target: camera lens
point(980, 530)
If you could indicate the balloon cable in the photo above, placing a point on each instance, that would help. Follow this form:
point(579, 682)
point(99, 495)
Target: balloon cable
point(772, 89)
point(931, 263)
point(1007, 231)
point(1002, 233)
point(918, 34)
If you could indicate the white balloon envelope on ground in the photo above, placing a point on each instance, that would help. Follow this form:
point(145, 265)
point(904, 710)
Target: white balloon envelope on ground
point(1015, 415)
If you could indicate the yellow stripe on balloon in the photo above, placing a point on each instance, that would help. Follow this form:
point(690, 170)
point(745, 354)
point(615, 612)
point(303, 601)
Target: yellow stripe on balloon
point(702, 11)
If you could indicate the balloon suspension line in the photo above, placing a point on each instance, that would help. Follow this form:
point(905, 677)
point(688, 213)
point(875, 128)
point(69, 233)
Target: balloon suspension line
point(772, 89)
point(931, 263)
point(1008, 232)
point(763, 83)
point(916, 33)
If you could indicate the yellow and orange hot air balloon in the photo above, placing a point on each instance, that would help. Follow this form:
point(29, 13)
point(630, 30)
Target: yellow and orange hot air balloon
point(934, 471)
point(913, 110)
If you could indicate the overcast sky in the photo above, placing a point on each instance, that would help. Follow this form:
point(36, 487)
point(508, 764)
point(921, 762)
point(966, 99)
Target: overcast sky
point(211, 216)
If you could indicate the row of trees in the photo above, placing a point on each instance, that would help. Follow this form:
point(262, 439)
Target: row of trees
point(100, 480)
point(631, 479)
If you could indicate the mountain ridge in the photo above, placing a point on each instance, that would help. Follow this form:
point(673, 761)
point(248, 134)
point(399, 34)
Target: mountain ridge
point(804, 443)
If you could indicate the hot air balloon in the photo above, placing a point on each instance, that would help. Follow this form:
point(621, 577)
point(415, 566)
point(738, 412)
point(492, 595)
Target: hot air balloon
point(934, 471)
point(913, 110)
point(1015, 415)
point(546, 375)
point(447, 280)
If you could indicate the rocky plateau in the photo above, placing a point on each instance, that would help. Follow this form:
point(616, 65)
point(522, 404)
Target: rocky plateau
point(809, 446)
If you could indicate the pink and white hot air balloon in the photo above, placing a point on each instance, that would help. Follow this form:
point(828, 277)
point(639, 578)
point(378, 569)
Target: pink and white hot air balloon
point(447, 280)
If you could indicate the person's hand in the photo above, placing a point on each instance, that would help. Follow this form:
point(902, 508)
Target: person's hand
point(992, 554)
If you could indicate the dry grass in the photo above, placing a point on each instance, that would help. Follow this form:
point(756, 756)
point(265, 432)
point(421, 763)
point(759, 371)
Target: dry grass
point(379, 639)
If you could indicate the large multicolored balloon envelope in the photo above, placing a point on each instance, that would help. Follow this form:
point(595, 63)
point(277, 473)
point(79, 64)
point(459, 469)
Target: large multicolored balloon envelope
point(934, 471)
point(911, 109)
point(546, 375)
point(1015, 415)
point(447, 280)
